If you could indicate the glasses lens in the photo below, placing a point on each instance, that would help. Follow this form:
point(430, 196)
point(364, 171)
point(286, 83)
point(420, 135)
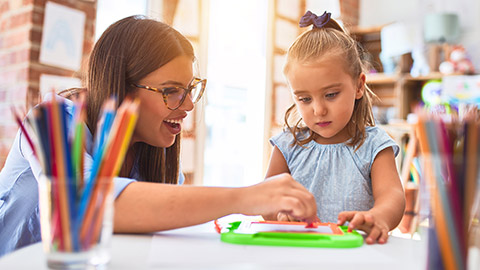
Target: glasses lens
point(197, 90)
point(174, 96)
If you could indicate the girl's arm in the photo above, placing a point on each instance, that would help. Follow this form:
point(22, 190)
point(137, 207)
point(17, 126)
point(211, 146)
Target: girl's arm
point(387, 188)
point(148, 207)
point(389, 199)
point(277, 164)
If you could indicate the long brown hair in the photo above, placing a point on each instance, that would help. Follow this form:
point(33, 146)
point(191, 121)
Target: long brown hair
point(126, 52)
point(310, 47)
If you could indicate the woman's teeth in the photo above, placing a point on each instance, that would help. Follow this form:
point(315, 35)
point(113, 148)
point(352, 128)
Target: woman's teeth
point(172, 121)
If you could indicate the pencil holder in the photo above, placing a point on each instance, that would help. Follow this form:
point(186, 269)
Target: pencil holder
point(450, 153)
point(76, 208)
point(76, 222)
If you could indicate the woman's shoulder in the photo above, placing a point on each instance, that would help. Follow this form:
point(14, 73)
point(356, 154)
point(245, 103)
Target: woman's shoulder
point(73, 94)
point(67, 96)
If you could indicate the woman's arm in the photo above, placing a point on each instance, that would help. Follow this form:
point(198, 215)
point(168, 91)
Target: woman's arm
point(148, 207)
point(277, 165)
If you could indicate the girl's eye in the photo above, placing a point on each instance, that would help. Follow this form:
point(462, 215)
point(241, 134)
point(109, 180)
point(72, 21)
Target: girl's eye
point(304, 99)
point(331, 95)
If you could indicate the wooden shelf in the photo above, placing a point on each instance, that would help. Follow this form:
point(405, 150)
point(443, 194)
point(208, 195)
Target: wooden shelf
point(361, 30)
point(381, 78)
point(431, 76)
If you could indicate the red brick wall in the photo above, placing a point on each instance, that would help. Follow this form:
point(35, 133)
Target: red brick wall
point(350, 10)
point(21, 23)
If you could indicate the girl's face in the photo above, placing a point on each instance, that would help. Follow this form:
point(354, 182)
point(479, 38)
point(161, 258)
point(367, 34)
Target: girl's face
point(157, 125)
point(325, 95)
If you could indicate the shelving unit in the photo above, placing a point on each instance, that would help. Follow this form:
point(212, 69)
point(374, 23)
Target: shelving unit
point(400, 90)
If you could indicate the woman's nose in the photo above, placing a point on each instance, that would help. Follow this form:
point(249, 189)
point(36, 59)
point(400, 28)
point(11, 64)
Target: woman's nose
point(187, 104)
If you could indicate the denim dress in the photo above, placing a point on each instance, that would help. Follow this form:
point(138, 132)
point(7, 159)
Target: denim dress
point(336, 174)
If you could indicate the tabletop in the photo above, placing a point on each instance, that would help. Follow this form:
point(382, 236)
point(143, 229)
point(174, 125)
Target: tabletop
point(199, 247)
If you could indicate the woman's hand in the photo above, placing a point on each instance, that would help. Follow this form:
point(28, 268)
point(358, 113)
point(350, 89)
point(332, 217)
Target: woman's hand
point(279, 194)
point(376, 228)
point(285, 217)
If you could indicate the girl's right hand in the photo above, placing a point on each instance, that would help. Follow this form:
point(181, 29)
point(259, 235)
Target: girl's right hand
point(278, 194)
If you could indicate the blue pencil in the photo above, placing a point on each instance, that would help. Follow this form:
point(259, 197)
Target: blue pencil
point(43, 134)
point(69, 181)
point(108, 116)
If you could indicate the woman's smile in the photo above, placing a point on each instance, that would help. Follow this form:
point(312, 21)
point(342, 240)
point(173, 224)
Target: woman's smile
point(174, 125)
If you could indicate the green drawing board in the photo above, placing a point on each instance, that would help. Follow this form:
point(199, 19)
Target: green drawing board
point(336, 237)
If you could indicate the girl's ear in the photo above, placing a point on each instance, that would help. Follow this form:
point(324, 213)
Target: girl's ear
point(360, 86)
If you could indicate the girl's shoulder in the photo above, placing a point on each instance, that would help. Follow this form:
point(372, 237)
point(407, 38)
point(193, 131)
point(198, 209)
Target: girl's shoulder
point(376, 140)
point(286, 137)
point(283, 138)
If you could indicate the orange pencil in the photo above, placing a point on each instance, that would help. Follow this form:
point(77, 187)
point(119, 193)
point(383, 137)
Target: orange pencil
point(470, 172)
point(61, 175)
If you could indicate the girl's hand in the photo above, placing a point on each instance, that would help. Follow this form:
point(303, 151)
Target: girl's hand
point(278, 194)
point(376, 229)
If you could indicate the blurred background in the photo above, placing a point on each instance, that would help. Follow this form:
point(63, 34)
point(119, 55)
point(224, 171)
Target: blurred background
point(421, 52)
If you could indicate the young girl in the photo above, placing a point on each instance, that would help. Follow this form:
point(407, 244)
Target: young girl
point(331, 145)
point(153, 62)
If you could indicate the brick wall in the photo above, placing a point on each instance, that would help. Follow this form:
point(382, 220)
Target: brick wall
point(21, 24)
point(350, 10)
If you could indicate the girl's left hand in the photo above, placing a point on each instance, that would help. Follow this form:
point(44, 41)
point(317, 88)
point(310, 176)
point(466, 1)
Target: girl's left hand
point(376, 229)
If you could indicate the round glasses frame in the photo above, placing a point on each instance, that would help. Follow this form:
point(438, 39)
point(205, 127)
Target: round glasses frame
point(165, 91)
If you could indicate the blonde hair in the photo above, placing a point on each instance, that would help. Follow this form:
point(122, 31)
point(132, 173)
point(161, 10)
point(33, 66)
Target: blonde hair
point(310, 47)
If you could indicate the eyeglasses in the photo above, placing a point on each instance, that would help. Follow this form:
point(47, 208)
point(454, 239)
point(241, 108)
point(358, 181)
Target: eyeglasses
point(175, 95)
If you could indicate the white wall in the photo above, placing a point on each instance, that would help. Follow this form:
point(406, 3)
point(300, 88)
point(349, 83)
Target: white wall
point(380, 12)
point(110, 11)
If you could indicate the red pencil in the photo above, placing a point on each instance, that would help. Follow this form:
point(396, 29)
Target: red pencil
point(22, 127)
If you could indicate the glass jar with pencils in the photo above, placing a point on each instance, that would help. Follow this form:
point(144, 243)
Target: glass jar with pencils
point(76, 200)
point(76, 222)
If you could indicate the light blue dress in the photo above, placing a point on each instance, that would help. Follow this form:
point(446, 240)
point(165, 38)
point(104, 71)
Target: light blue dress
point(335, 174)
point(19, 216)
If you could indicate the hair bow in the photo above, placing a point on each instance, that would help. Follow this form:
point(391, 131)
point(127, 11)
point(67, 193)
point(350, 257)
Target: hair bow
point(317, 21)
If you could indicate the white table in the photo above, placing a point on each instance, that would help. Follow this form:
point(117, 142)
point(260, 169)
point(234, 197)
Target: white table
point(199, 247)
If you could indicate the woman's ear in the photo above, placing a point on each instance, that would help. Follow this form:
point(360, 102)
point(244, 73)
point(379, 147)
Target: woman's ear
point(360, 86)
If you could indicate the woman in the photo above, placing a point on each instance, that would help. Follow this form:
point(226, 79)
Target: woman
point(153, 62)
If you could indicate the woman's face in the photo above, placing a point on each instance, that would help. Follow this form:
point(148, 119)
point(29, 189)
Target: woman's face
point(157, 125)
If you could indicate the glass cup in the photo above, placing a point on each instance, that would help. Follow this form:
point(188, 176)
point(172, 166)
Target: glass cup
point(76, 222)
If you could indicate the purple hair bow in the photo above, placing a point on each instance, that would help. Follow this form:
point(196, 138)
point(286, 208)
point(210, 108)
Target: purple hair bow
point(317, 21)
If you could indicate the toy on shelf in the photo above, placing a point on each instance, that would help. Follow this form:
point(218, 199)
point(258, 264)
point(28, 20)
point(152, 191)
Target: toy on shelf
point(457, 63)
